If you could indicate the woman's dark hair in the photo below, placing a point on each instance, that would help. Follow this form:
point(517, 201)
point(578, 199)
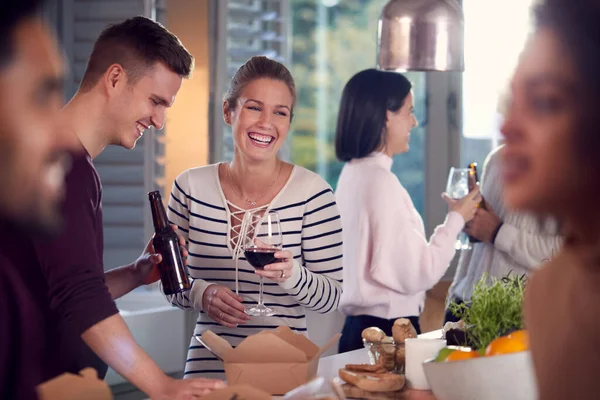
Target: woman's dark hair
point(576, 24)
point(366, 98)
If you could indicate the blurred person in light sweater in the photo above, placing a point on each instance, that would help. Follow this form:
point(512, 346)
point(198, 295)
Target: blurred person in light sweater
point(388, 261)
point(509, 242)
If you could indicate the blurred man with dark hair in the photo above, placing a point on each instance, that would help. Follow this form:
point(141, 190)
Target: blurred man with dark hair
point(32, 169)
point(32, 162)
point(134, 73)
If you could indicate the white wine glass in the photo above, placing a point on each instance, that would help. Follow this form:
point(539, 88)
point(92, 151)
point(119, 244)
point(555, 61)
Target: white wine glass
point(457, 188)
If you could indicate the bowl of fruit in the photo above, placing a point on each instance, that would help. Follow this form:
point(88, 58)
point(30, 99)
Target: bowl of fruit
point(493, 362)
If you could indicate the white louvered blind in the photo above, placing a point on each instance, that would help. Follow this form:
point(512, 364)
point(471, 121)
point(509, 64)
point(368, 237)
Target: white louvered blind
point(244, 28)
point(126, 175)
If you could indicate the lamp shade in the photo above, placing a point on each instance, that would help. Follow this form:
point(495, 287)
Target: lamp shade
point(421, 35)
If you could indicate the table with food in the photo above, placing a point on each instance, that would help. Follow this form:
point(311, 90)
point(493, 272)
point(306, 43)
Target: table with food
point(483, 356)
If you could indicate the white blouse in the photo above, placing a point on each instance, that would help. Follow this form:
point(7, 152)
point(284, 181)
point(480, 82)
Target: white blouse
point(388, 261)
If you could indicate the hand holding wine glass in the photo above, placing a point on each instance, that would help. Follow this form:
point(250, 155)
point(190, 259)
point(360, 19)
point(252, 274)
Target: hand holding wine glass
point(466, 206)
point(263, 244)
point(280, 270)
point(459, 199)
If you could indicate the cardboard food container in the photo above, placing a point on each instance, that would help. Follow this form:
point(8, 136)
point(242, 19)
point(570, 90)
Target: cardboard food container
point(275, 361)
point(69, 386)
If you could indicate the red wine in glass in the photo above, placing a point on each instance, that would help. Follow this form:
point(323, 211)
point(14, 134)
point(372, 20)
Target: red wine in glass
point(262, 239)
point(259, 257)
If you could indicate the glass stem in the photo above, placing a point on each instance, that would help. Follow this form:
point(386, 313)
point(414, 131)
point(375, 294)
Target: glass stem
point(260, 293)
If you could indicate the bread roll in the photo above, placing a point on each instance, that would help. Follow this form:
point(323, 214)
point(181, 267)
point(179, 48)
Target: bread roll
point(352, 392)
point(387, 340)
point(373, 382)
point(373, 334)
point(365, 368)
point(400, 357)
point(402, 330)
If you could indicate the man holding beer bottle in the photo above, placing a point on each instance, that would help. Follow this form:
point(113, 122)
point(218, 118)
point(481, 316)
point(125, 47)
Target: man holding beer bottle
point(503, 241)
point(133, 75)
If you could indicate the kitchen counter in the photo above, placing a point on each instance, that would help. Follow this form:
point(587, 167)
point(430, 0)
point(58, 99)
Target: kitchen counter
point(329, 366)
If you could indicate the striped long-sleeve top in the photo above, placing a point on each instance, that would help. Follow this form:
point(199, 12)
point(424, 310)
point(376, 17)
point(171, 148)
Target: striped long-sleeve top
point(311, 231)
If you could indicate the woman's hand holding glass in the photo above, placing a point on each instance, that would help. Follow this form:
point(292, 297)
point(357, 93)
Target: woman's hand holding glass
point(281, 271)
point(459, 199)
point(466, 206)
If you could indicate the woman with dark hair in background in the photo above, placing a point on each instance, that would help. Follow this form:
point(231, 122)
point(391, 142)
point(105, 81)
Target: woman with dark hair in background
point(388, 262)
point(551, 167)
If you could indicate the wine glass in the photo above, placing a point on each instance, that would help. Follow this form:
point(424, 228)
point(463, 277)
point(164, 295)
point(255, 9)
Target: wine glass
point(457, 188)
point(261, 240)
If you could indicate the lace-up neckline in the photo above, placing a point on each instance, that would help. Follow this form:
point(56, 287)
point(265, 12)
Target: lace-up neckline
point(237, 218)
point(235, 232)
point(239, 222)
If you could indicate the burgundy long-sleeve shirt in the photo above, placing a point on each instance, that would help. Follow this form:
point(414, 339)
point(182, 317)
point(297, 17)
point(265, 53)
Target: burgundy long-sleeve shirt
point(21, 335)
point(65, 275)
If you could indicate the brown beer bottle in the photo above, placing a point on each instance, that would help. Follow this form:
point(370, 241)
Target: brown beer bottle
point(166, 243)
point(473, 181)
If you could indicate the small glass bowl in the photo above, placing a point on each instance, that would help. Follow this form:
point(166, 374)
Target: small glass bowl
point(389, 355)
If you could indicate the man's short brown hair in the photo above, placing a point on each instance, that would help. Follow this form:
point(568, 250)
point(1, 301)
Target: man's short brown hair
point(136, 44)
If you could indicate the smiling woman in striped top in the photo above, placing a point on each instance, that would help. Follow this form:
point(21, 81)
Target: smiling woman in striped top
point(208, 204)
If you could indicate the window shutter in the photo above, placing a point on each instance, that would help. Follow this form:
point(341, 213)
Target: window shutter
point(126, 175)
point(244, 28)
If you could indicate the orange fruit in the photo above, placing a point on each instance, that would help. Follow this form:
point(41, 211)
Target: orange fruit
point(461, 355)
point(520, 335)
point(506, 345)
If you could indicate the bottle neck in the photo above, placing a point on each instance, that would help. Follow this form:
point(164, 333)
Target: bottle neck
point(159, 215)
point(473, 176)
